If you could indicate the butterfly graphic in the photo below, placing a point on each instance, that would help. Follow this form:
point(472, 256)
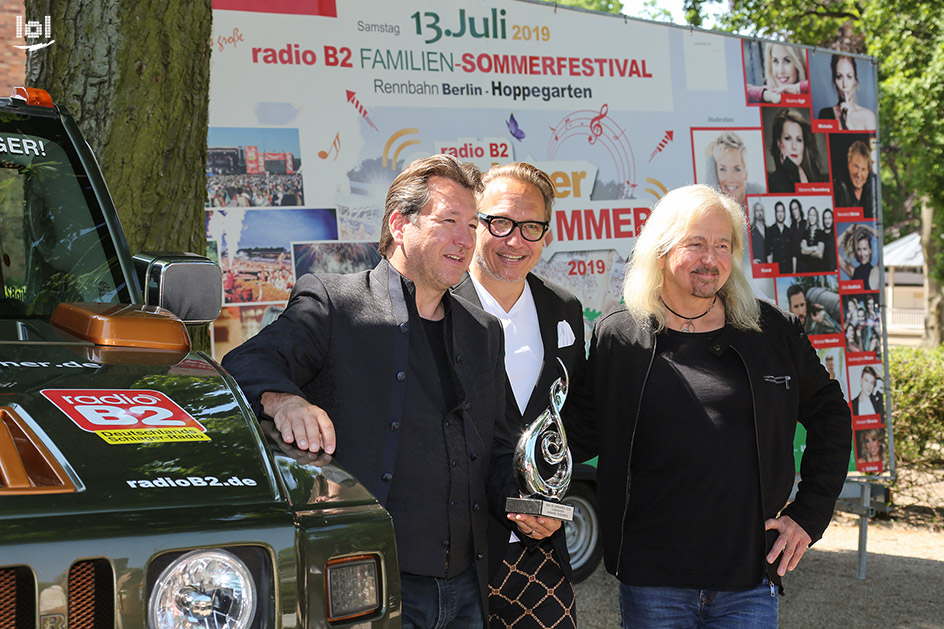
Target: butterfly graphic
point(513, 127)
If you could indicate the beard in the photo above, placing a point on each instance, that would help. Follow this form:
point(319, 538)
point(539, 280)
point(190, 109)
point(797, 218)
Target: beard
point(702, 286)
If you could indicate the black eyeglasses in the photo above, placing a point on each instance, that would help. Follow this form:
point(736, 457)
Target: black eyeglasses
point(501, 227)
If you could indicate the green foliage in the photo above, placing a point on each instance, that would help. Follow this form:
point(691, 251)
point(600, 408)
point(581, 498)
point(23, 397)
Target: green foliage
point(918, 398)
point(814, 23)
point(652, 11)
point(606, 6)
point(693, 11)
point(910, 46)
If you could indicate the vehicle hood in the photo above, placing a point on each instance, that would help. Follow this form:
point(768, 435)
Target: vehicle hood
point(134, 429)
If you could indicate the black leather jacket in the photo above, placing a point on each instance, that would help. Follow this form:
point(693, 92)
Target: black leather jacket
point(788, 384)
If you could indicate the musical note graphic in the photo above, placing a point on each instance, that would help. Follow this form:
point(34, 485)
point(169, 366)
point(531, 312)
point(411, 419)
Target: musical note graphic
point(335, 146)
point(669, 135)
point(604, 134)
point(596, 128)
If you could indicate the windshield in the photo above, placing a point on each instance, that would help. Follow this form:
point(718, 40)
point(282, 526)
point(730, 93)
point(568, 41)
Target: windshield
point(54, 243)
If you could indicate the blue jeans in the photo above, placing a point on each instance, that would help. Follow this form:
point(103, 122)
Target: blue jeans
point(433, 603)
point(665, 608)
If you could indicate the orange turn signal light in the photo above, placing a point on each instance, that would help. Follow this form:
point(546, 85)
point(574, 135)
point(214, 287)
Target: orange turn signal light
point(33, 96)
point(26, 464)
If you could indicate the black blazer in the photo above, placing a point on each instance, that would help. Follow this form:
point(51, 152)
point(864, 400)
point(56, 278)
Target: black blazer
point(342, 343)
point(554, 304)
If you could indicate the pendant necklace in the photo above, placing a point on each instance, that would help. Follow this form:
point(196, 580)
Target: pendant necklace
point(688, 326)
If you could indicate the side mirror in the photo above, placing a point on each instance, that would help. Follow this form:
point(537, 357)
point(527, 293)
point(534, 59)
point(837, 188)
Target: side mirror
point(189, 285)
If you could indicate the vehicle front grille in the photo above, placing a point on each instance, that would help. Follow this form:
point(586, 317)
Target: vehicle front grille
point(17, 597)
point(91, 602)
point(91, 595)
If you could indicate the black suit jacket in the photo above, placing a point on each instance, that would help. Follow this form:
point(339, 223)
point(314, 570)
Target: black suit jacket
point(342, 343)
point(554, 304)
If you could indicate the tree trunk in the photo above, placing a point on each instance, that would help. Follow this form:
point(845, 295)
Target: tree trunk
point(934, 323)
point(136, 75)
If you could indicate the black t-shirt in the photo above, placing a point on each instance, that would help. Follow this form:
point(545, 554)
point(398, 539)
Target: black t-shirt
point(429, 494)
point(694, 518)
point(436, 335)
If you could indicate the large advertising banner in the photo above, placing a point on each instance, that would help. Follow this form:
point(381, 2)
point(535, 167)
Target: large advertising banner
point(318, 105)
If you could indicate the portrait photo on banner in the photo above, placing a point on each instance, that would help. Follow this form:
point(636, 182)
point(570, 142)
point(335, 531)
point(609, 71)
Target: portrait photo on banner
point(843, 92)
point(814, 299)
point(775, 74)
point(862, 323)
point(870, 450)
point(833, 359)
point(730, 159)
point(853, 158)
point(866, 386)
point(795, 155)
point(857, 250)
point(793, 232)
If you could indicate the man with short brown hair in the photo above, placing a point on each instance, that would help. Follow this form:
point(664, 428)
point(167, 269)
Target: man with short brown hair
point(403, 384)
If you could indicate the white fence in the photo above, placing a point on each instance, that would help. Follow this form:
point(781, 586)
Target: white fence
point(905, 318)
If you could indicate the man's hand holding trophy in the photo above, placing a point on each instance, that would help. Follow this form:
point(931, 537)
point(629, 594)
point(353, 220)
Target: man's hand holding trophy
point(545, 435)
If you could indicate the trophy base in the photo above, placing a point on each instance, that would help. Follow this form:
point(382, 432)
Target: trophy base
point(535, 506)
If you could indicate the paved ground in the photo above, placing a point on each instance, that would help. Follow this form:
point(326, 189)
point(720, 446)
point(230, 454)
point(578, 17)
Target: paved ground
point(904, 584)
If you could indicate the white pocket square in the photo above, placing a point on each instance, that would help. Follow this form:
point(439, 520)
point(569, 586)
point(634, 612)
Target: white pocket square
point(565, 334)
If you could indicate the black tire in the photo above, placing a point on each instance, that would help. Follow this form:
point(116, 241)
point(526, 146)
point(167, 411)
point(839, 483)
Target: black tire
point(583, 534)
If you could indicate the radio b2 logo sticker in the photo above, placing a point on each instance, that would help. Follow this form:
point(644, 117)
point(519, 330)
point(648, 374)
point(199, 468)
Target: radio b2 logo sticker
point(121, 416)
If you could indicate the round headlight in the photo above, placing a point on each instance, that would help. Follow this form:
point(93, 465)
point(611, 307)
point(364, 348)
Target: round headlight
point(205, 589)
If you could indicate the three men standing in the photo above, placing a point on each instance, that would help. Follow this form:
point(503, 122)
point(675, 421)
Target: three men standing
point(690, 398)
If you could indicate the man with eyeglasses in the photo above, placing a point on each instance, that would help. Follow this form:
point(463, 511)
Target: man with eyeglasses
point(530, 580)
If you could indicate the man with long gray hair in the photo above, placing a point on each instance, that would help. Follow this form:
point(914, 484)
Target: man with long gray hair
point(692, 394)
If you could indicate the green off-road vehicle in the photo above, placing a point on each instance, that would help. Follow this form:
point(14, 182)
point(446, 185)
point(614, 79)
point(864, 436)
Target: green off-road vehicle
point(136, 487)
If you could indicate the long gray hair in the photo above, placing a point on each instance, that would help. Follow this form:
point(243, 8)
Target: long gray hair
point(671, 219)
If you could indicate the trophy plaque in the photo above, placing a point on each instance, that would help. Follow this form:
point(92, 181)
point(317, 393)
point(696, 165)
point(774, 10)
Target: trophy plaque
point(543, 445)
